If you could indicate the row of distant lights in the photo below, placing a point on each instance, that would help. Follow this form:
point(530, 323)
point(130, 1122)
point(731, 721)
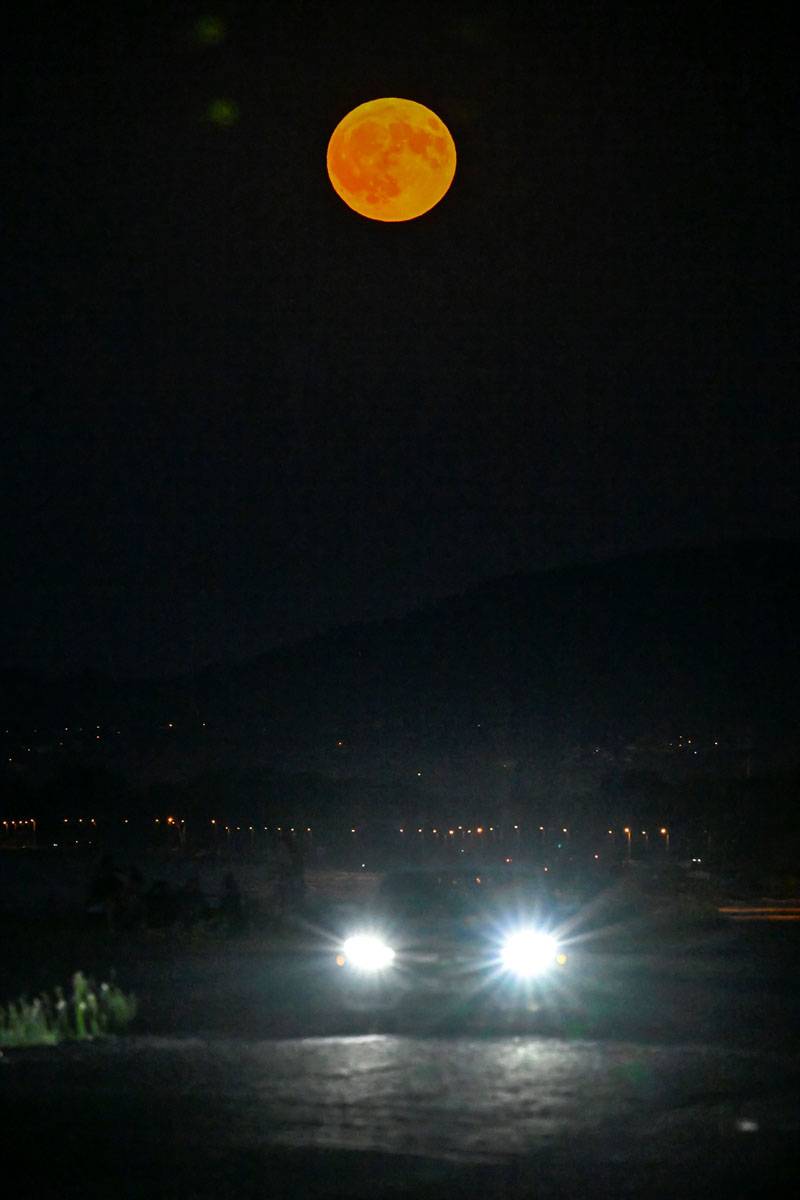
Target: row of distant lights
point(251, 828)
point(459, 829)
point(479, 829)
point(173, 821)
point(628, 831)
point(31, 821)
point(177, 821)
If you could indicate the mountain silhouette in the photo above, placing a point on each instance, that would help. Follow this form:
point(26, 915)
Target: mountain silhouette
point(703, 639)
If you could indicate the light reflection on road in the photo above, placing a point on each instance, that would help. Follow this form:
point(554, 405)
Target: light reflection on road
point(463, 1099)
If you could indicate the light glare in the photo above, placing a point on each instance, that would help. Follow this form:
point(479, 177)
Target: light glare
point(529, 953)
point(368, 953)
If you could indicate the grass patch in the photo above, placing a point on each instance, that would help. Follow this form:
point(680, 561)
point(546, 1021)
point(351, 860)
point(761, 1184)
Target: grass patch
point(86, 1012)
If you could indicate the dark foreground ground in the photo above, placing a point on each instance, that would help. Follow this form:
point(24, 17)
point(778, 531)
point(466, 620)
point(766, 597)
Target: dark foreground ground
point(399, 1116)
point(659, 1067)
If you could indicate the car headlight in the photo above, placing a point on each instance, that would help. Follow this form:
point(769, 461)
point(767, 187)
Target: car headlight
point(367, 953)
point(529, 952)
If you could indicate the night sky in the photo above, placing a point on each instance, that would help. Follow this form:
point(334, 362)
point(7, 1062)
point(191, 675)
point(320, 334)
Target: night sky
point(236, 413)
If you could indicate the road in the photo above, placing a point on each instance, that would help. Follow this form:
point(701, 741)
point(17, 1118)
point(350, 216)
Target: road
point(388, 1115)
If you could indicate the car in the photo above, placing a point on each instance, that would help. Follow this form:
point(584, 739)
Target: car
point(480, 937)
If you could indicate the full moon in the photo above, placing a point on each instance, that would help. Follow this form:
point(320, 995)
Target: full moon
point(391, 159)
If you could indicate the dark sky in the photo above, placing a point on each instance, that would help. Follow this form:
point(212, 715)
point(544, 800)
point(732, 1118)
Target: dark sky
point(235, 413)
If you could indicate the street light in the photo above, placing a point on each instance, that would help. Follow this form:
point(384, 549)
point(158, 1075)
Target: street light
point(627, 833)
point(665, 834)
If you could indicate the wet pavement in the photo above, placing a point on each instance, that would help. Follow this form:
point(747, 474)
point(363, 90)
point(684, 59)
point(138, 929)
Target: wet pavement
point(384, 1114)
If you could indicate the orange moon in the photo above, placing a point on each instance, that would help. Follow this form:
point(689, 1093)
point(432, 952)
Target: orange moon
point(391, 159)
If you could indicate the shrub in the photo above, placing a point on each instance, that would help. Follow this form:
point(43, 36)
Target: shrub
point(88, 1012)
